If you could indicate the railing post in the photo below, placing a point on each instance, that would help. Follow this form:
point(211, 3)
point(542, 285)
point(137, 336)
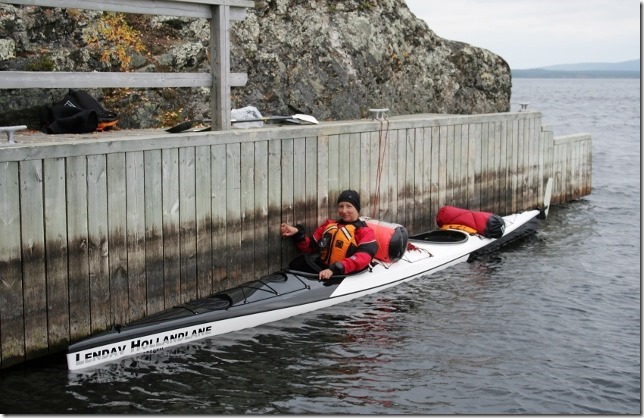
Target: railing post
point(220, 104)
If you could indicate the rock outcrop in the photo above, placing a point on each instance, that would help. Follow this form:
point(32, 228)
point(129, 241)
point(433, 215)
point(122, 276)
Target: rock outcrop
point(331, 59)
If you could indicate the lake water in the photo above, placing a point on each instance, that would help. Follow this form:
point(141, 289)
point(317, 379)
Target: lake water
point(550, 326)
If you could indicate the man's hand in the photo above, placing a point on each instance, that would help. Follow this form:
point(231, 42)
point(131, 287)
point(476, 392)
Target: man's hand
point(288, 230)
point(325, 274)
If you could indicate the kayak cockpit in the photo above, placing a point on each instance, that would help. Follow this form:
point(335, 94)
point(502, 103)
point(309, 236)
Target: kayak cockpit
point(442, 236)
point(277, 284)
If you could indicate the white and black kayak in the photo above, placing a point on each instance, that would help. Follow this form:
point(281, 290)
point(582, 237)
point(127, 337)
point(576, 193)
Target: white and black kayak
point(287, 293)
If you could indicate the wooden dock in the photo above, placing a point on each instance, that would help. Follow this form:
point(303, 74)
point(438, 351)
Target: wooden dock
point(104, 228)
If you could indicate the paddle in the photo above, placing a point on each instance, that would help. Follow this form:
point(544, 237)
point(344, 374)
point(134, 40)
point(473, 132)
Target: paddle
point(298, 118)
point(184, 126)
point(292, 119)
point(546, 200)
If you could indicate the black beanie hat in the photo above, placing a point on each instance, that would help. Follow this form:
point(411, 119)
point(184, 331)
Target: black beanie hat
point(350, 196)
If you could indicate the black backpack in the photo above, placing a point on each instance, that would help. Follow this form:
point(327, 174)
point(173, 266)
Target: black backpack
point(77, 113)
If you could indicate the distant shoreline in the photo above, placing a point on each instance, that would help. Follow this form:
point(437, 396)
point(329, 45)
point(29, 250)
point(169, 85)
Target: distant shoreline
point(539, 73)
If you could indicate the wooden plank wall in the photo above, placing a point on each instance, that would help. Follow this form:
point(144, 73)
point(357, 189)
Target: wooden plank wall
point(104, 232)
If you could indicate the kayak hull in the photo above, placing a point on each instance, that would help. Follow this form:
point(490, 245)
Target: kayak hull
point(284, 294)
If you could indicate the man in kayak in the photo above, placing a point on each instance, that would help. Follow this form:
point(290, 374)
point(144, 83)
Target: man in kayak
point(343, 246)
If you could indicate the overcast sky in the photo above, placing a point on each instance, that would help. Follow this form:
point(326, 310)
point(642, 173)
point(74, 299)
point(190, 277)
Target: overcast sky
point(539, 33)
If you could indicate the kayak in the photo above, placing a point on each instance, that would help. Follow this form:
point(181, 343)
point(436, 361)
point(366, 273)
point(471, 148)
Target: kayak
point(287, 293)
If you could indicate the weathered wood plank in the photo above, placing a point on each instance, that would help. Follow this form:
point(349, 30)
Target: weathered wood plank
point(527, 148)
point(56, 253)
point(299, 183)
point(528, 157)
point(62, 79)
point(203, 207)
point(33, 258)
point(235, 3)
point(541, 177)
point(487, 167)
point(521, 171)
point(323, 178)
point(78, 248)
point(480, 157)
point(117, 236)
point(588, 166)
point(428, 217)
point(247, 210)
point(460, 163)
point(418, 200)
point(233, 213)
point(171, 227)
point(513, 176)
point(401, 172)
point(409, 178)
point(12, 331)
point(449, 167)
point(453, 163)
point(287, 214)
point(504, 187)
point(561, 170)
point(338, 156)
point(549, 167)
point(578, 175)
point(187, 224)
point(381, 175)
point(460, 169)
point(413, 155)
point(373, 193)
point(472, 148)
point(185, 8)
point(339, 168)
point(353, 169)
point(218, 203)
point(389, 174)
point(434, 203)
point(154, 258)
point(569, 164)
point(493, 158)
point(135, 235)
point(442, 167)
point(98, 245)
point(274, 240)
point(574, 172)
point(363, 187)
point(220, 102)
point(261, 193)
point(311, 180)
point(497, 168)
point(535, 181)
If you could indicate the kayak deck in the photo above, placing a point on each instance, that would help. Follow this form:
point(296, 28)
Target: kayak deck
point(286, 293)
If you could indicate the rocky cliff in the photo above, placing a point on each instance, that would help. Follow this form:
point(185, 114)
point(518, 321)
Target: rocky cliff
point(328, 58)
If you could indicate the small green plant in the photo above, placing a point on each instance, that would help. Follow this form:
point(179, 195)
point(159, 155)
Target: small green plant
point(41, 63)
point(366, 5)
